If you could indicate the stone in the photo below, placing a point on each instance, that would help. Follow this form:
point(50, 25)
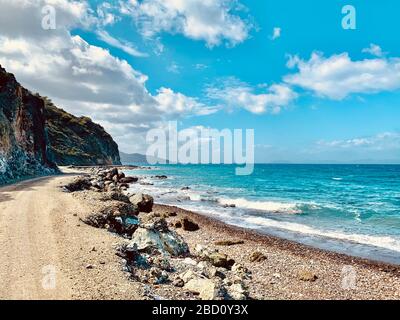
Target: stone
point(128, 179)
point(165, 242)
point(205, 288)
point(237, 291)
point(228, 242)
point(305, 275)
point(178, 282)
point(144, 202)
point(188, 275)
point(257, 256)
point(220, 260)
point(189, 225)
point(79, 184)
point(178, 224)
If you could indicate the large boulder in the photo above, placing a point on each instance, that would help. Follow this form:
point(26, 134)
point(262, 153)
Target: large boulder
point(207, 289)
point(189, 225)
point(167, 242)
point(144, 202)
point(79, 184)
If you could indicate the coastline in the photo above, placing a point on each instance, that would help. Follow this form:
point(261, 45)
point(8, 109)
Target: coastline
point(90, 269)
point(219, 227)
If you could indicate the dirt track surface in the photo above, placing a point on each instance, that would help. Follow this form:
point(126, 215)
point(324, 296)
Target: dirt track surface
point(47, 253)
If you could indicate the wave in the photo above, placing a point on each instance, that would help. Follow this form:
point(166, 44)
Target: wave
point(385, 242)
point(337, 179)
point(269, 206)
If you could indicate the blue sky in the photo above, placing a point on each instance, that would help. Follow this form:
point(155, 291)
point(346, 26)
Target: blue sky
point(312, 91)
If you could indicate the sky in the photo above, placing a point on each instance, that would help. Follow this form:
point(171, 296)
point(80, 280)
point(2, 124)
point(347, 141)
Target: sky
point(312, 90)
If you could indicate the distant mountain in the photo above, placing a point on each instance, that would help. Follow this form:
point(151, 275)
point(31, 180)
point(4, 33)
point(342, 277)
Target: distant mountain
point(36, 136)
point(136, 158)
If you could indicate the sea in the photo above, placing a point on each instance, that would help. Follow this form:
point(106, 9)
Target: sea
point(352, 209)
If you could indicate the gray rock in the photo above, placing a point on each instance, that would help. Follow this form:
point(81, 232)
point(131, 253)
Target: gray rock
point(165, 242)
point(144, 202)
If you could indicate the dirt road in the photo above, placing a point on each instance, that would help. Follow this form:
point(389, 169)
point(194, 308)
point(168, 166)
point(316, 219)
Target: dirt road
point(47, 253)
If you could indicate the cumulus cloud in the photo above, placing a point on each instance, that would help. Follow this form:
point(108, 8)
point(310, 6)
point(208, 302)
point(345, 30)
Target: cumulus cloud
point(213, 21)
point(338, 76)
point(238, 94)
point(82, 78)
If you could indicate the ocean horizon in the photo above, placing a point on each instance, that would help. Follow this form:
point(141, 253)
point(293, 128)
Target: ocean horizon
point(346, 208)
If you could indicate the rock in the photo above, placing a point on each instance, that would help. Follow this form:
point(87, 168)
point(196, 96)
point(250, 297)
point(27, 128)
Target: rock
point(307, 276)
point(115, 195)
point(154, 222)
point(144, 202)
point(24, 141)
point(188, 275)
point(90, 266)
point(178, 224)
point(216, 258)
point(189, 225)
point(79, 184)
point(168, 242)
point(228, 242)
point(157, 276)
point(229, 206)
point(205, 288)
point(178, 282)
point(160, 177)
point(128, 180)
point(237, 291)
point(190, 261)
point(220, 260)
point(172, 214)
point(185, 188)
point(257, 256)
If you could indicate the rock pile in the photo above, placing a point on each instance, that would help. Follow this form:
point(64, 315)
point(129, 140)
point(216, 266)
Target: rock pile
point(102, 180)
point(153, 253)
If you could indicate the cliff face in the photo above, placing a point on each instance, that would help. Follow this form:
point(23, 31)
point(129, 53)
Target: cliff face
point(23, 140)
point(36, 136)
point(78, 141)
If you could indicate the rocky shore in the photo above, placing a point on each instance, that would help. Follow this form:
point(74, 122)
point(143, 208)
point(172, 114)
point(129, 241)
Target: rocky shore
point(175, 254)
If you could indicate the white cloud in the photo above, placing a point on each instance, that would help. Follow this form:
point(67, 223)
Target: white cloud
point(338, 76)
point(374, 49)
point(120, 44)
point(276, 33)
point(173, 68)
point(382, 141)
point(238, 94)
point(82, 78)
point(175, 103)
point(213, 21)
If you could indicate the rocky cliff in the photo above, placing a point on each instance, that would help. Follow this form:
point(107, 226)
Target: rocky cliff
point(23, 140)
point(36, 136)
point(78, 141)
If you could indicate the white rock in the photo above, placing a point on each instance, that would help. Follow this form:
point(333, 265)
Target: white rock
point(206, 288)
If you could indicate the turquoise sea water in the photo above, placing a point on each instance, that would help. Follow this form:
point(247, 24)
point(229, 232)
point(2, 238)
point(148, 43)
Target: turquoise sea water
point(353, 209)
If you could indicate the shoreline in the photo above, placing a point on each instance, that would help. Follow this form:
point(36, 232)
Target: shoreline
point(281, 243)
point(288, 269)
point(89, 267)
